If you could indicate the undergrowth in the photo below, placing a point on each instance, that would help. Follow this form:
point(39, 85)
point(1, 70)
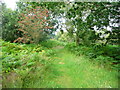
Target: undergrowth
point(37, 65)
point(23, 64)
point(105, 55)
point(52, 43)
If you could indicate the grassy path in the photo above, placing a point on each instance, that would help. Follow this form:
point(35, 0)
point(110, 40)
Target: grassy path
point(70, 71)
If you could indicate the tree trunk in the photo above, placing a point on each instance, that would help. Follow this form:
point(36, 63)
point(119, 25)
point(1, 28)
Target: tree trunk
point(106, 42)
point(77, 40)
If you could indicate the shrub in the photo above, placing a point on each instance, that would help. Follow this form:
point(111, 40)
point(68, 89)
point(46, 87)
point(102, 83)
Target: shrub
point(34, 25)
point(20, 60)
point(65, 37)
point(51, 43)
point(50, 52)
point(102, 54)
point(104, 59)
point(9, 21)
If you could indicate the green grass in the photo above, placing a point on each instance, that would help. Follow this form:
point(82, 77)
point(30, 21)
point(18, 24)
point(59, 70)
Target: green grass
point(79, 72)
point(52, 43)
point(50, 65)
point(107, 55)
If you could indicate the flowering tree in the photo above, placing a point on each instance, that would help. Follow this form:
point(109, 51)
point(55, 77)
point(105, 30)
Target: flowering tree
point(34, 24)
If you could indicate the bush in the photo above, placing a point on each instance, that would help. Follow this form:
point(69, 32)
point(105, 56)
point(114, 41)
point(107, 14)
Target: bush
point(112, 51)
point(50, 52)
point(104, 59)
point(9, 24)
point(102, 54)
point(19, 61)
point(52, 43)
point(65, 37)
point(34, 25)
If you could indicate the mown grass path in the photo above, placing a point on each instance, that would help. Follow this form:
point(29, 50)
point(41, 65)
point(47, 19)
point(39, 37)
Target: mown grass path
point(71, 71)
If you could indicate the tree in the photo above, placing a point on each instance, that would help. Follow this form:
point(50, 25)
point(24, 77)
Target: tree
point(34, 24)
point(106, 15)
point(54, 9)
point(85, 16)
point(9, 27)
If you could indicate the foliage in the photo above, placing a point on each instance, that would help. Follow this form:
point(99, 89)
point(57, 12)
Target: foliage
point(84, 16)
point(19, 60)
point(64, 37)
point(87, 37)
point(31, 65)
point(52, 43)
point(9, 21)
point(33, 25)
point(105, 55)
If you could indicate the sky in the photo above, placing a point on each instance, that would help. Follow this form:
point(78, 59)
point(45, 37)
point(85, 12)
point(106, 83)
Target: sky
point(10, 3)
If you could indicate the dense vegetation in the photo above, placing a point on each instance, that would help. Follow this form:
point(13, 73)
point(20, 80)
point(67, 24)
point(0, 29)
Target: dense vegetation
point(20, 61)
point(60, 45)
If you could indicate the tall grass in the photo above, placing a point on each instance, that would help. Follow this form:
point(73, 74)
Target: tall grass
point(50, 65)
point(105, 55)
point(71, 71)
